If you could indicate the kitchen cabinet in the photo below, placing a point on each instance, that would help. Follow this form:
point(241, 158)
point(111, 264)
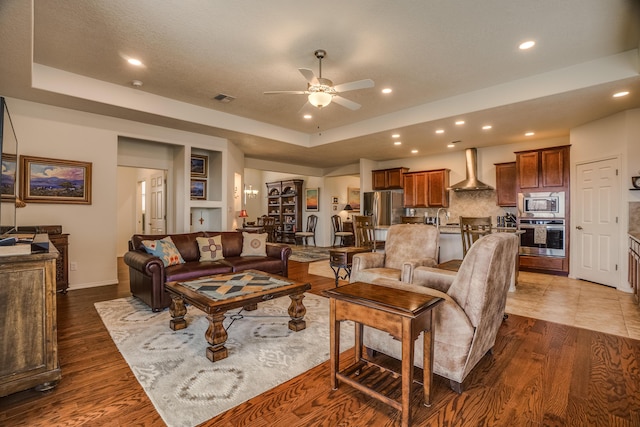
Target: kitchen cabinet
point(284, 203)
point(426, 189)
point(545, 169)
point(28, 332)
point(506, 184)
point(388, 179)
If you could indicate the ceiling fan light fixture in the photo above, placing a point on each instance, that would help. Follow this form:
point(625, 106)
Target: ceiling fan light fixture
point(319, 99)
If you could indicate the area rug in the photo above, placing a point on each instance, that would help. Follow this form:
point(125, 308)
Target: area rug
point(184, 386)
point(308, 253)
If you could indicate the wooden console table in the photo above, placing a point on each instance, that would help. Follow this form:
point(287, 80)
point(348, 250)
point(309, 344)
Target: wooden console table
point(401, 313)
point(28, 332)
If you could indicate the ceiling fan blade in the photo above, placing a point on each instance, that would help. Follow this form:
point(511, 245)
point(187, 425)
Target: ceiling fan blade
point(360, 84)
point(286, 92)
point(345, 102)
point(308, 75)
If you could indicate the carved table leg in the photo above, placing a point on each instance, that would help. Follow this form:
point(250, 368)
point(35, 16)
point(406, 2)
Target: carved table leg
point(297, 312)
point(216, 336)
point(177, 310)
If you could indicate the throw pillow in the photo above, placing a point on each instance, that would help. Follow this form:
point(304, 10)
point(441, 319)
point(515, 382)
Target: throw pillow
point(210, 248)
point(164, 249)
point(254, 244)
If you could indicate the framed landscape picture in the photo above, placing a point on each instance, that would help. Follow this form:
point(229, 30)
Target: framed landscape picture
point(353, 198)
point(8, 181)
point(311, 199)
point(199, 165)
point(55, 181)
point(198, 189)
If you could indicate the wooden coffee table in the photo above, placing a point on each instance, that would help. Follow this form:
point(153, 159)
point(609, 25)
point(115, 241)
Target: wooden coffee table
point(217, 294)
point(401, 313)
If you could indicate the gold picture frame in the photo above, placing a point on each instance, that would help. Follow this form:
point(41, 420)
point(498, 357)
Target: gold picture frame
point(44, 180)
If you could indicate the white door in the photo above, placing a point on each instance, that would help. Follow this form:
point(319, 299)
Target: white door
point(596, 224)
point(157, 214)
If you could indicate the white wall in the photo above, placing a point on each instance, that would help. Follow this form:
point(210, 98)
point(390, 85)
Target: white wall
point(59, 133)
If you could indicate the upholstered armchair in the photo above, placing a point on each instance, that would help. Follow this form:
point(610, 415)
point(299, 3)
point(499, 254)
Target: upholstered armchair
point(466, 324)
point(407, 246)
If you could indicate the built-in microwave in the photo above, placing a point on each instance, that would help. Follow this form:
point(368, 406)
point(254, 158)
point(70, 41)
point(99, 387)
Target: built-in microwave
point(541, 205)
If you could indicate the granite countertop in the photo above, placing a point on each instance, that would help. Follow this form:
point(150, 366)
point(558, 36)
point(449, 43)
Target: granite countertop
point(455, 229)
point(635, 235)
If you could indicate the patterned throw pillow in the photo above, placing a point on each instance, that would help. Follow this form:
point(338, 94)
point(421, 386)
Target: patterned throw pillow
point(210, 248)
point(254, 244)
point(164, 249)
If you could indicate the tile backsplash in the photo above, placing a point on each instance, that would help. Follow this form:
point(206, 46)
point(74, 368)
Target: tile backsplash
point(470, 203)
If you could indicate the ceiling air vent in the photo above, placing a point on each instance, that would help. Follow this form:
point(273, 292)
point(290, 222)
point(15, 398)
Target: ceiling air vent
point(225, 99)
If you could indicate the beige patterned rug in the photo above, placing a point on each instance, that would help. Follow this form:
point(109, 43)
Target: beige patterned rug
point(184, 386)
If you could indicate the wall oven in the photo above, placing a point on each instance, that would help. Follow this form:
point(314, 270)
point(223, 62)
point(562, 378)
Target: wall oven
point(542, 237)
point(541, 205)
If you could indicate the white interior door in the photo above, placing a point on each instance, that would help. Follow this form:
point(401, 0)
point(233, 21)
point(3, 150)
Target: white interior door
point(596, 222)
point(157, 214)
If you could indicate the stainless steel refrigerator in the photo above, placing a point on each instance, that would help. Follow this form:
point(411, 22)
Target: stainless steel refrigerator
point(385, 206)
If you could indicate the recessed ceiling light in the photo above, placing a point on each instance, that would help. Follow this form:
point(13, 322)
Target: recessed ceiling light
point(134, 61)
point(307, 116)
point(387, 90)
point(527, 45)
point(440, 131)
point(451, 145)
point(529, 134)
point(397, 143)
point(414, 151)
point(395, 135)
point(619, 94)
point(486, 127)
point(460, 122)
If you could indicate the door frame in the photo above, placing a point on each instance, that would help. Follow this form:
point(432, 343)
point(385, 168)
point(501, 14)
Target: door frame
point(620, 282)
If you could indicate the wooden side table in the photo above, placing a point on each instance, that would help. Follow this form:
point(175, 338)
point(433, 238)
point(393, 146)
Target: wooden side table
point(401, 313)
point(342, 258)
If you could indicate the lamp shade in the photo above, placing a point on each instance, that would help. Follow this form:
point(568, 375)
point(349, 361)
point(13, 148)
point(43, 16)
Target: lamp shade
point(319, 99)
point(243, 214)
point(348, 207)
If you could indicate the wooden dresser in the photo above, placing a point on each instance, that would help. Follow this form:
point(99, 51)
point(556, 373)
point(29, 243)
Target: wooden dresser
point(61, 241)
point(28, 336)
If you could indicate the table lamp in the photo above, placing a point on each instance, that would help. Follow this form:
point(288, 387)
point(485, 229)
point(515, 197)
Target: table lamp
point(348, 208)
point(243, 215)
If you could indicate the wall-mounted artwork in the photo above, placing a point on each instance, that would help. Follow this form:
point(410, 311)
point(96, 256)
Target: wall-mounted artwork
point(8, 181)
point(45, 180)
point(311, 199)
point(198, 189)
point(353, 198)
point(199, 166)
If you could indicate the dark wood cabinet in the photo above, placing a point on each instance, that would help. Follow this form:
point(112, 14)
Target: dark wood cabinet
point(28, 338)
point(545, 169)
point(61, 241)
point(506, 184)
point(388, 179)
point(284, 203)
point(426, 189)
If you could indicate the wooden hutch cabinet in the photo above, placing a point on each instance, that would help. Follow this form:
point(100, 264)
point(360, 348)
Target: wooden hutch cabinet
point(506, 184)
point(388, 179)
point(426, 189)
point(284, 203)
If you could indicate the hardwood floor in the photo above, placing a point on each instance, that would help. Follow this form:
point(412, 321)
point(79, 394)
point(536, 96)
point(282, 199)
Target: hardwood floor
point(541, 374)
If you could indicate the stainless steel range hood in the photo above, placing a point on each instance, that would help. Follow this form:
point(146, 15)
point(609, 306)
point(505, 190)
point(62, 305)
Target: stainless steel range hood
point(471, 183)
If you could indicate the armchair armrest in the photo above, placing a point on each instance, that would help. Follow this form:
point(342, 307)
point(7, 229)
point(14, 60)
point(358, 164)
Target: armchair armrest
point(434, 278)
point(365, 261)
point(410, 265)
point(282, 252)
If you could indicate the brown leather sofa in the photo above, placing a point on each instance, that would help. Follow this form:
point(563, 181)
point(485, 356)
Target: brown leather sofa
point(147, 273)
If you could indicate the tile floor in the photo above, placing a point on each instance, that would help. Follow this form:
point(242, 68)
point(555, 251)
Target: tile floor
point(575, 302)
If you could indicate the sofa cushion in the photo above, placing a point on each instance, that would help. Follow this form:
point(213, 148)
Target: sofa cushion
point(165, 250)
point(210, 248)
point(254, 244)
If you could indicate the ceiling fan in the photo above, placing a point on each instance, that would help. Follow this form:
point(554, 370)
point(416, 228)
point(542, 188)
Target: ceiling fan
point(321, 91)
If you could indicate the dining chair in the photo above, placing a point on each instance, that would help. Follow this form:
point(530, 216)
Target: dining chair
point(471, 229)
point(304, 236)
point(338, 231)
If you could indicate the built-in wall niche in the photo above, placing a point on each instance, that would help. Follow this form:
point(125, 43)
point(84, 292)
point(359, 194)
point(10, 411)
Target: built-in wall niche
point(206, 175)
point(205, 219)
